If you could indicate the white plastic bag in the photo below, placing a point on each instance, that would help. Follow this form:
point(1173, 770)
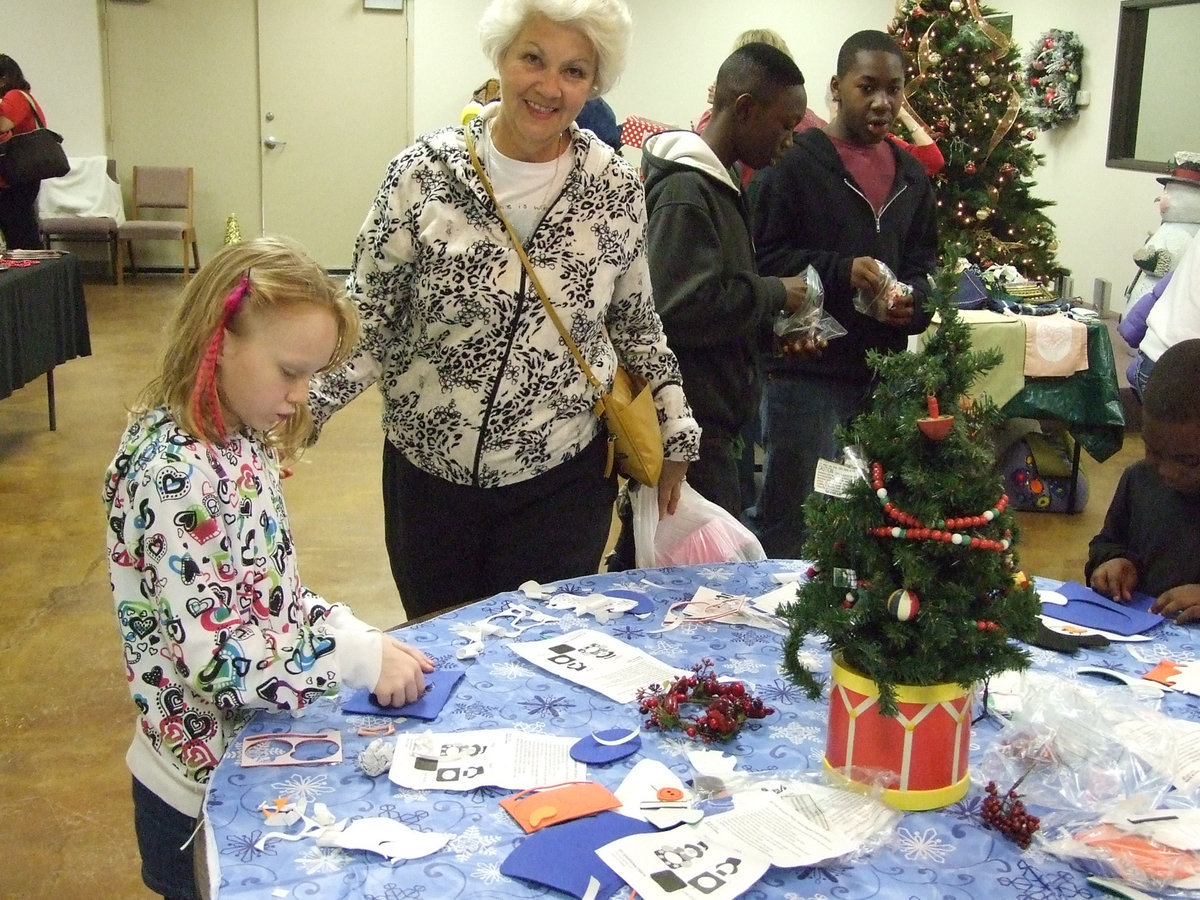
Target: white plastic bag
point(699, 532)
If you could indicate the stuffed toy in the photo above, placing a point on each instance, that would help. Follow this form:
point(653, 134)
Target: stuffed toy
point(1179, 206)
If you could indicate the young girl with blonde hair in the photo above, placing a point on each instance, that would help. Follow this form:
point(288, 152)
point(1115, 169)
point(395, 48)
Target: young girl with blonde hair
point(214, 618)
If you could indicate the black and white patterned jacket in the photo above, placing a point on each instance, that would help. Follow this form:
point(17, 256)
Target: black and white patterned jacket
point(479, 387)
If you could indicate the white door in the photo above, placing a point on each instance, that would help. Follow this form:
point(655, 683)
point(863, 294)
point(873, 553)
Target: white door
point(333, 111)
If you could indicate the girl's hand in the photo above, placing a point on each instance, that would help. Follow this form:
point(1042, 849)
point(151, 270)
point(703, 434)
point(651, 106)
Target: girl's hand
point(402, 675)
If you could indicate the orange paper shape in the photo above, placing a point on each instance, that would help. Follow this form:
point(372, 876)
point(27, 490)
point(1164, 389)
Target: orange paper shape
point(1165, 865)
point(536, 808)
point(1164, 673)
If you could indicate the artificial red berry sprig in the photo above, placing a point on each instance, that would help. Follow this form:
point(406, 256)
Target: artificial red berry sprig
point(721, 707)
point(1008, 815)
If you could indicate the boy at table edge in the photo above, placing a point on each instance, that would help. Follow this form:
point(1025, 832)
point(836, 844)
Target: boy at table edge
point(1151, 536)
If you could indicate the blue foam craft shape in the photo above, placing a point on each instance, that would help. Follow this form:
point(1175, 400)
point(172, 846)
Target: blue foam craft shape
point(564, 857)
point(1092, 610)
point(438, 685)
point(645, 605)
point(589, 750)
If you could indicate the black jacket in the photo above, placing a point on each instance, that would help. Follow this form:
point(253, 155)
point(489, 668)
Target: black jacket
point(715, 308)
point(807, 209)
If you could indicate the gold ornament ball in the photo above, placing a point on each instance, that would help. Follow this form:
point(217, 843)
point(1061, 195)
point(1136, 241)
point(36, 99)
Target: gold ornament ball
point(984, 79)
point(956, 5)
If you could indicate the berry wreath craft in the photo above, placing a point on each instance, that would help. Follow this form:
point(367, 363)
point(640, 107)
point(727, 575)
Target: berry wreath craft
point(723, 706)
point(1052, 71)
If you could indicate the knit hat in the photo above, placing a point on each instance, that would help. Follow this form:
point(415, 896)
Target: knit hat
point(1185, 169)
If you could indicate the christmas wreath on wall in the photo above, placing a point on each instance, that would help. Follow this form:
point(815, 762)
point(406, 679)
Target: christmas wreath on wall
point(1052, 72)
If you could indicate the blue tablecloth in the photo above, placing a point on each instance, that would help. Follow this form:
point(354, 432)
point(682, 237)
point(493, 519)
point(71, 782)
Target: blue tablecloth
point(940, 855)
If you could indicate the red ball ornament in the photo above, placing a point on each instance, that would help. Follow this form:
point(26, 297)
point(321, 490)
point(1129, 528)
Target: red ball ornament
point(970, 168)
point(1048, 43)
point(904, 605)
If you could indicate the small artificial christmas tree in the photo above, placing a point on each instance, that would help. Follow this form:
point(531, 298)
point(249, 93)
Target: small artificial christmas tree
point(914, 581)
point(963, 81)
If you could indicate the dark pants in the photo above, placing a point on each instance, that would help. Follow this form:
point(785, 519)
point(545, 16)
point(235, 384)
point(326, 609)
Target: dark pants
point(716, 476)
point(161, 831)
point(451, 543)
point(18, 216)
point(800, 418)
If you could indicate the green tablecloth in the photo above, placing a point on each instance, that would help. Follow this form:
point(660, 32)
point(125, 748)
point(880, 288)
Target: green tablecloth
point(1088, 402)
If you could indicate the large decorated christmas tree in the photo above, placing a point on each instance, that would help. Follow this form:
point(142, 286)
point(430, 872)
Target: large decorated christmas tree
point(915, 579)
point(964, 83)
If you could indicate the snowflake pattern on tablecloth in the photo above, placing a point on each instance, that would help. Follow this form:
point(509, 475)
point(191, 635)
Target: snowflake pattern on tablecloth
point(628, 632)
point(511, 671)
point(243, 846)
point(413, 818)
point(411, 795)
point(474, 710)
point(1153, 653)
point(967, 808)
point(316, 860)
point(715, 574)
point(923, 846)
point(779, 691)
point(392, 891)
point(664, 649)
point(739, 665)
point(794, 732)
point(489, 873)
point(472, 842)
point(303, 787)
point(550, 707)
point(1034, 885)
point(530, 727)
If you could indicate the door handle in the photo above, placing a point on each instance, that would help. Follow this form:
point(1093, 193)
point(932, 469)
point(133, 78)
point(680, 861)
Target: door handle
point(271, 143)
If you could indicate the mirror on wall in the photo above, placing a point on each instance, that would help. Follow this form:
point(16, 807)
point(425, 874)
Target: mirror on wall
point(1158, 42)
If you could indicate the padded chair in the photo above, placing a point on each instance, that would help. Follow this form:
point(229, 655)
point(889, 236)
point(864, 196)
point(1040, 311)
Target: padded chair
point(84, 229)
point(159, 187)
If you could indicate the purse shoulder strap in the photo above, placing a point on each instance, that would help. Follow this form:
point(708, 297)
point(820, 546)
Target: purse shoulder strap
point(537, 284)
point(33, 109)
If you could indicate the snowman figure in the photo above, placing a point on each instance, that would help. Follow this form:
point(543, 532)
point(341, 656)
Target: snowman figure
point(1179, 206)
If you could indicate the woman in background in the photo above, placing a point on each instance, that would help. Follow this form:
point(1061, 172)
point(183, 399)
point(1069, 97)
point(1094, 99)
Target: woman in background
point(18, 202)
point(494, 462)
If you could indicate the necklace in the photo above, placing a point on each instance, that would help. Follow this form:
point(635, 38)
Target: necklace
point(518, 183)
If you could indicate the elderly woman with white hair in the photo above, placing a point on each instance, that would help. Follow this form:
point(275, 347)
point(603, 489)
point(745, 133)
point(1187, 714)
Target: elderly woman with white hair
point(494, 462)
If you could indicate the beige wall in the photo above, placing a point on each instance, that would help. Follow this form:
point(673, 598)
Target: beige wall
point(1102, 215)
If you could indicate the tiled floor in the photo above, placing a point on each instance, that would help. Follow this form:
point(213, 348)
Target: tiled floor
point(65, 718)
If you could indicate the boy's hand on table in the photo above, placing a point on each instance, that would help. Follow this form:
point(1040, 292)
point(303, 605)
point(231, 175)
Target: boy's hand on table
point(402, 674)
point(1116, 578)
point(1180, 603)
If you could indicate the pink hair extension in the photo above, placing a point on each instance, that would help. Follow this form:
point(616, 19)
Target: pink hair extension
point(204, 392)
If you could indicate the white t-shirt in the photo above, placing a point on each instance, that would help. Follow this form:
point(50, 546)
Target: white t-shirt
point(524, 190)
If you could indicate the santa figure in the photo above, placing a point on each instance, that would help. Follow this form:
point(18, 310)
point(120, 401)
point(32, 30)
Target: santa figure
point(1179, 206)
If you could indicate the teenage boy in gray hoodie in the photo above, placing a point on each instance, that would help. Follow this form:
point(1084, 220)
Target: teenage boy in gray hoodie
point(715, 307)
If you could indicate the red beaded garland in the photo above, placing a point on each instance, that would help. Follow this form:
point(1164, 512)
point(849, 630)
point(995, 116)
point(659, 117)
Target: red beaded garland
point(943, 530)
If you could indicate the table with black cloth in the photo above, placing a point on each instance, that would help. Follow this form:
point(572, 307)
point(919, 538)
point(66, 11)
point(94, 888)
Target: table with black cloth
point(43, 322)
point(944, 854)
